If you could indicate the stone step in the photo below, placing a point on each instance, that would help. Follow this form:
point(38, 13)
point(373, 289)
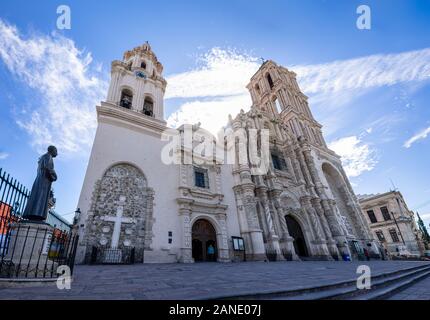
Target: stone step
point(381, 285)
point(378, 284)
point(341, 290)
point(386, 292)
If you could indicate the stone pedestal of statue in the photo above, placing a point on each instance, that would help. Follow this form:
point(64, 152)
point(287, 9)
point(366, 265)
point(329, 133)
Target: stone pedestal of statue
point(28, 250)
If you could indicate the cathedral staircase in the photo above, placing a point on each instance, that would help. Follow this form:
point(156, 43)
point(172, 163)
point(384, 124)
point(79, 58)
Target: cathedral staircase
point(383, 286)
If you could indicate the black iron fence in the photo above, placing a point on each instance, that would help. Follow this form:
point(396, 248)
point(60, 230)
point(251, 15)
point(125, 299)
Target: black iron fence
point(13, 195)
point(106, 255)
point(27, 249)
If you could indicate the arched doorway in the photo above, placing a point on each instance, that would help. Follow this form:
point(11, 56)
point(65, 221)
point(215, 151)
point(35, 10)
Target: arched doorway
point(299, 239)
point(204, 241)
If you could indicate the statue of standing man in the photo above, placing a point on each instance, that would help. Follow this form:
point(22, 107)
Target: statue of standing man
point(37, 205)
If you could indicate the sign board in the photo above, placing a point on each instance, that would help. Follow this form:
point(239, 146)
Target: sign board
point(238, 244)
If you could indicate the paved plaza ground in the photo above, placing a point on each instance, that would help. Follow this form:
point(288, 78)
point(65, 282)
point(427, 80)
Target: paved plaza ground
point(419, 291)
point(204, 280)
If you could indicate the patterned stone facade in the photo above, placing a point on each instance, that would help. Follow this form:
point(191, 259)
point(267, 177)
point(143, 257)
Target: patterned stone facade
point(303, 206)
point(123, 201)
point(311, 186)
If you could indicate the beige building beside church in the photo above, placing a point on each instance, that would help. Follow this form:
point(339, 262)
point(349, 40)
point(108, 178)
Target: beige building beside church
point(302, 207)
point(393, 223)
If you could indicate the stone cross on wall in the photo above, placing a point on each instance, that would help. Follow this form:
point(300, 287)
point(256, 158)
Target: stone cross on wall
point(118, 219)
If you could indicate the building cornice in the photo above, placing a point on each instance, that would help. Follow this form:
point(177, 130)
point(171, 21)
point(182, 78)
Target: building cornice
point(130, 119)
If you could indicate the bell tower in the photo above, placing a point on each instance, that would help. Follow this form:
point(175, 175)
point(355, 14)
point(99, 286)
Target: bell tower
point(274, 90)
point(137, 83)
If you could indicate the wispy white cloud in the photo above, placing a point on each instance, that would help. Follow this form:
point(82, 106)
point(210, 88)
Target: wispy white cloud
point(366, 72)
point(219, 73)
point(419, 136)
point(70, 84)
point(222, 73)
point(62, 75)
point(4, 155)
point(357, 157)
point(212, 114)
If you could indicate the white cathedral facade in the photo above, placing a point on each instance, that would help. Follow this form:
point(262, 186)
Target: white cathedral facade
point(303, 207)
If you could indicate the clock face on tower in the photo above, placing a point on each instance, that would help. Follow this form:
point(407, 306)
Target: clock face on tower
point(140, 74)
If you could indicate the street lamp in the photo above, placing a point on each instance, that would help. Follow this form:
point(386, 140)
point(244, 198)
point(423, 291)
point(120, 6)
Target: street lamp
point(77, 215)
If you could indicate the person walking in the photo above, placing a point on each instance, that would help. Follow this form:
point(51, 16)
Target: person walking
point(366, 254)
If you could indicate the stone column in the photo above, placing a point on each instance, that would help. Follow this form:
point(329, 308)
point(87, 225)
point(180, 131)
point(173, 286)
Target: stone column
point(273, 237)
point(331, 243)
point(255, 250)
point(319, 242)
point(335, 228)
point(304, 165)
point(286, 241)
point(223, 251)
point(354, 214)
point(296, 166)
point(186, 246)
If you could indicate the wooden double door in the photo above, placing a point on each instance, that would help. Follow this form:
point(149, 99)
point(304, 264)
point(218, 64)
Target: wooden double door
point(204, 242)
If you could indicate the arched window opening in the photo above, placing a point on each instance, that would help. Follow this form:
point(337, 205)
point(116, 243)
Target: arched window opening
point(278, 105)
point(257, 89)
point(278, 161)
point(269, 80)
point(126, 99)
point(148, 107)
point(143, 65)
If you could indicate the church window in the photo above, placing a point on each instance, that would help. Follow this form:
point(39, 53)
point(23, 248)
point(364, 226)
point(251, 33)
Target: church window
point(394, 236)
point(148, 107)
point(372, 216)
point(385, 213)
point(170, 236)
point(380, 235)
point(257, 89)
point(278, 105)
point(278, 162)
point(126, 99)
point(143, 65)
point(269, 81)
point(201, 178)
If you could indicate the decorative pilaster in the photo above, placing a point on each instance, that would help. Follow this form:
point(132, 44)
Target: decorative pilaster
point(255, 249)
point(286, 241)
point(331, 243)
point(185, 218)
point(223, 251)
point(273, 237)
point(319, 242)
point(335, 228)
point(296, 166)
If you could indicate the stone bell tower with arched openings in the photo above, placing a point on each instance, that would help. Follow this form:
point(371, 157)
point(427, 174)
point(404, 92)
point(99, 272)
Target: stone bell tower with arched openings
point(137, 82)
point(322, 212)
point(122, 201)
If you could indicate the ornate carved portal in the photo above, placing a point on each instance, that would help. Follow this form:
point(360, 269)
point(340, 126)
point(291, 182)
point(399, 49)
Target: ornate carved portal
point(121, 212)
point(299, 239)
point(204, 241)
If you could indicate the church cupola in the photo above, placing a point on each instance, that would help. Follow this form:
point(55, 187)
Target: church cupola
point(137, 83)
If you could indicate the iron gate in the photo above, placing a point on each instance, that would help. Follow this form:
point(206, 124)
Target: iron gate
point(106, 255)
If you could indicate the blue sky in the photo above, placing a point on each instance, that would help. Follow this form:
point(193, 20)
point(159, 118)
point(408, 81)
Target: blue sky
point(369, 88)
